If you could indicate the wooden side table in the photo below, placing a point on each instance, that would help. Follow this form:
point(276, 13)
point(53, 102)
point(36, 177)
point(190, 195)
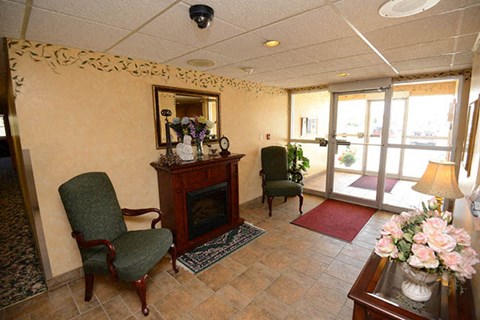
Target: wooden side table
point(376, 295)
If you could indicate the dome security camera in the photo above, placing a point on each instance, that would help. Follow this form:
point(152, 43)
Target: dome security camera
point(201, 14)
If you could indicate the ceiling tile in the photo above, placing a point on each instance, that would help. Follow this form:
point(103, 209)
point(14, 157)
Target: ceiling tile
point(338, 65)
point(334, 49)
point(419, 64)
point(128, 14)
point(176, 25)
point(244, 47)
point(292, 32)
point(71, 31)
point(149, 48)
point(219, 60)
point(11, 15)
point(281, 60)
point(423, 50)
point(463, 58)
point(269, 76)
point(470, 20)
point(365, 16)
point(251, 14)
point(465, 43)
point(418, 31)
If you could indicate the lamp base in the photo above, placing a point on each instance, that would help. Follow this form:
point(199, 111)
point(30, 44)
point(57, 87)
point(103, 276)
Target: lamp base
point(440, 203)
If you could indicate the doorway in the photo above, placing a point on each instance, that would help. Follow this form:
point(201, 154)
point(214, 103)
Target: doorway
point(376, 143)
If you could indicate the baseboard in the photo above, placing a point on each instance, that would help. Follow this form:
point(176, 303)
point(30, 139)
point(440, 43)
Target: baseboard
point(65, 278)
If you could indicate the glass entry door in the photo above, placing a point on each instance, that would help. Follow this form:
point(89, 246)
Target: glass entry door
point(355, 146)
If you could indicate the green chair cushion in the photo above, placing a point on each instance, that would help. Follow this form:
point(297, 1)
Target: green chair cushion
point(137, 253)
point(282, 188)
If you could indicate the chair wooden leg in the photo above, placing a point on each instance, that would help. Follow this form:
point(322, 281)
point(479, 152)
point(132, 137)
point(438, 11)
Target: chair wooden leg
point(173, 254)
point(284, 199)
point(88, 287)
point(263, 197)
point(300, 196)
point(141, 287)
point(270, 199)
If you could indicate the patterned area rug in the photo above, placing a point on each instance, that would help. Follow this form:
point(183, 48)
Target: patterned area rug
point(213, 251)
point(20, 270)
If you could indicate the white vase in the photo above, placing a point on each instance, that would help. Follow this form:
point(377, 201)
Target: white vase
point(417, 283)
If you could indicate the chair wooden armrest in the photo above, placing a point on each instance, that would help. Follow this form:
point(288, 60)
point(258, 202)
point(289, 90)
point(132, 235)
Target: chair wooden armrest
point(82, 243)
point(139, 212)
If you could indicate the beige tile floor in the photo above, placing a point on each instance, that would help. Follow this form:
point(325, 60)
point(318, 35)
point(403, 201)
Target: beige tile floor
point(287, 273)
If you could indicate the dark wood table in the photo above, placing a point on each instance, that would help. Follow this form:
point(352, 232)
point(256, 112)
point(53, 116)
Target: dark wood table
point(368, 303)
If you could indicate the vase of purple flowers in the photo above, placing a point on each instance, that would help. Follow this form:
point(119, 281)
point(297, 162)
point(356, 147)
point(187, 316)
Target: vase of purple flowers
point(197, 127)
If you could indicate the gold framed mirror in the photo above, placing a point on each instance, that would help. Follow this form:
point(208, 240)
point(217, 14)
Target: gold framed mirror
point(184, 103)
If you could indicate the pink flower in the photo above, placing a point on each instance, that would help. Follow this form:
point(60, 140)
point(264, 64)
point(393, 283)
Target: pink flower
point(451, 260)
point(386, 248)
point(392, 228)
point(460, 235)
point(420, 238)
point(423, 257)
point(441, 242)
point(466, 271)
point(433, 225)
point(432, 204)
point(469, 254)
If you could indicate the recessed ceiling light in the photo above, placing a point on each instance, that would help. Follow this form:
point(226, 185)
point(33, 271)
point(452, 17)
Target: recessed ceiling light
point(201, 63)
point(247, 70)
point(405, 8)
point(271, 43)
point(343, 74)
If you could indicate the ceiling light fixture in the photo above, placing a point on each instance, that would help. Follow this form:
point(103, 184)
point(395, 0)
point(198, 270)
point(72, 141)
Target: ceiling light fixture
point(405, 8)
point(202, 15)
point(247, 70)
point(271, 43)
point(202, 63)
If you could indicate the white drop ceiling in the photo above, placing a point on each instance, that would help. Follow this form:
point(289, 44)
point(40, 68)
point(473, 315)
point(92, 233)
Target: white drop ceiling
point(319, 38)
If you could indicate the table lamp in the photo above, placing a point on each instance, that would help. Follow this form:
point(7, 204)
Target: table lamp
point(439, 180)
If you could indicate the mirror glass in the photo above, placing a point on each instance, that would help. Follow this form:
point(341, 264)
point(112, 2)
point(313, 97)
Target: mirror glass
point(184, 103)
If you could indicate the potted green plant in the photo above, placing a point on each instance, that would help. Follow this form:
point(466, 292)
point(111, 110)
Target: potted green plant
point(347, 157)
point(297, 162)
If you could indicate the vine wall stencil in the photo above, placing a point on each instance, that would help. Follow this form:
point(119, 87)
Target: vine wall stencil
point(57, 57)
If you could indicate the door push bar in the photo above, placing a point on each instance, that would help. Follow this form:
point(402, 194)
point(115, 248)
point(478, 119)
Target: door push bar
point(324, 142)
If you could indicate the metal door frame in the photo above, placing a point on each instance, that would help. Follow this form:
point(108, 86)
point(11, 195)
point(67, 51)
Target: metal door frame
point(332, 145)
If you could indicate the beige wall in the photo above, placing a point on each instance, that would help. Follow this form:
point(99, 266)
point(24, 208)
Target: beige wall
point(84, 111)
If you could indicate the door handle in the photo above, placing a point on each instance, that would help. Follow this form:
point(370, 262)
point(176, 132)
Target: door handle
point(322, 142)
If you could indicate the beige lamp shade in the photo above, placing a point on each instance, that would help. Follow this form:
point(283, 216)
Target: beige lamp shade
point(439, 180)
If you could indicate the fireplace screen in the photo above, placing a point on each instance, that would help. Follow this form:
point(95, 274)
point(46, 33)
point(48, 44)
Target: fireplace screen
point(207, 209)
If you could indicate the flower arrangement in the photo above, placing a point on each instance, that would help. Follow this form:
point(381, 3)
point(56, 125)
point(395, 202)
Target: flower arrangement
point(426, 240)
point(197, 127)
point(347, 157)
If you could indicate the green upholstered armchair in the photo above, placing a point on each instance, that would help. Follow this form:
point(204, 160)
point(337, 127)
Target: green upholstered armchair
point(105, 244)
point(275, 177)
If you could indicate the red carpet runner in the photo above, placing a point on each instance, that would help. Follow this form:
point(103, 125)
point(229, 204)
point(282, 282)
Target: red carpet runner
point(336, 219)
point(370, 182)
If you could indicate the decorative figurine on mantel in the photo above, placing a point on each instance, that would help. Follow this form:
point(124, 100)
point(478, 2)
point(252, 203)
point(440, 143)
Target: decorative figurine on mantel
point(184, 149)
point(169, 159)
point(166, 113)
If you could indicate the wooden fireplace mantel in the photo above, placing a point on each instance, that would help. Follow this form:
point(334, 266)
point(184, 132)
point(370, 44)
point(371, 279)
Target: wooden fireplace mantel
point(176, 181)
